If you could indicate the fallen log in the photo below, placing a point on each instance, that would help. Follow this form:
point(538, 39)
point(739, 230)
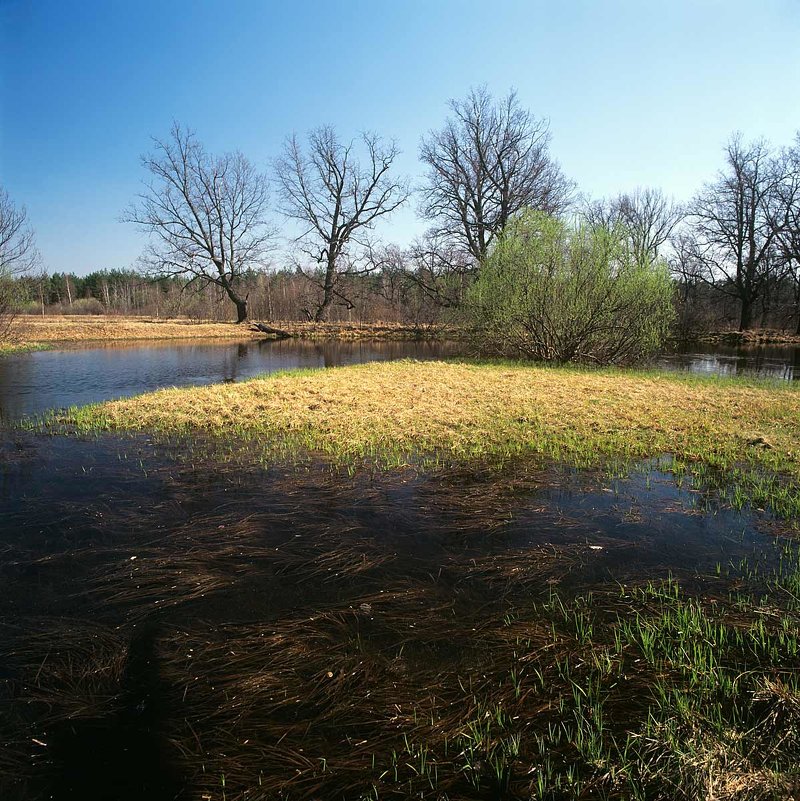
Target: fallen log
point(278, 333)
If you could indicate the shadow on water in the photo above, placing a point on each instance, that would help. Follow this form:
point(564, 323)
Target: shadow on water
point(227, 631)
point(123, 756)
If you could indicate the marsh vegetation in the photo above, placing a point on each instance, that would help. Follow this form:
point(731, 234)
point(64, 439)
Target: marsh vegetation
point(178, 626)
point(433, 580)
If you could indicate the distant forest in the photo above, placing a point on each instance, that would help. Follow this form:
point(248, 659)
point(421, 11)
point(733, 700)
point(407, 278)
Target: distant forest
point(389, 295)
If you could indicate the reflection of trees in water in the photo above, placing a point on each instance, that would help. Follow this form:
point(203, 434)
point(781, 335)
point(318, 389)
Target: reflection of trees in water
point(30, 383)
point(769, 361)
point(795, 365)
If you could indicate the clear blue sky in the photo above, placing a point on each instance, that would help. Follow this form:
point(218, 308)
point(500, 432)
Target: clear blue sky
point(638, 92)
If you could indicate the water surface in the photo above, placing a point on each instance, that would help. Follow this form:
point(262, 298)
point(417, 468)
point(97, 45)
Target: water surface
point(765, 361)
point(166, 624)
point(172, 627)
point(31, 383)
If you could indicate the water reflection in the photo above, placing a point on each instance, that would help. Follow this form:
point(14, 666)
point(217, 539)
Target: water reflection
point(31, 383)
point(766, 361)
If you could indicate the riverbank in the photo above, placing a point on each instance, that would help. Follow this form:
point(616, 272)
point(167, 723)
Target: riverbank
point(31, 332)
point(9, 348)
point(752, 338)
point(456, 412)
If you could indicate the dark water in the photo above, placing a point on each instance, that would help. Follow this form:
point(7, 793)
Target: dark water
point(30, 383)
point(766, 361)
point(168, 624)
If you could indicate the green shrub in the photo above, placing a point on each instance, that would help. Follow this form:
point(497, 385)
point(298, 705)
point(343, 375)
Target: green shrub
point(553, 291)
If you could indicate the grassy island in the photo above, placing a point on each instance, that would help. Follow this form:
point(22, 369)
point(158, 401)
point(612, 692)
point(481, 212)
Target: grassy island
point(456, 411)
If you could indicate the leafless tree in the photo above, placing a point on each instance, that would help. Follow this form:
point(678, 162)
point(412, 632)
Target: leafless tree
point(786, 218)
point(687, 271)
point(733, 224)
point(490, 160)
point(17, 242)
point(18, 254)
point(440, 269)
point(337, 200)
point(207, 215)
point(646, 213)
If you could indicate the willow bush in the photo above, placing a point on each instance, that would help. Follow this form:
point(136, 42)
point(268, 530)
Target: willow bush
point(561, 292)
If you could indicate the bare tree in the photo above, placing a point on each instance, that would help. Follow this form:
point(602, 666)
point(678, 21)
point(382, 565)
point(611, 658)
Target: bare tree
point(786, 218)
point(687, 271)
point(337, 200)
point(17, 255)
point(648, 216)
point(207, 215)
point(17, 242)
point(732, 221)
point(440, 269)
point(489, 161)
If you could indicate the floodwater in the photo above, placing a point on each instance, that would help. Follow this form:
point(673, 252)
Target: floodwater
point(765, 361)
point(31, 383)
point(171, 627)
point(168, 625)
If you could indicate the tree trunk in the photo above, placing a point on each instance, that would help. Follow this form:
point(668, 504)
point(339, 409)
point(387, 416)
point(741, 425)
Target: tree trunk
point(797, 307)
point(322, 310)
point(327, 294)
point(239, 302)
point(241, 310)
point(746, 317)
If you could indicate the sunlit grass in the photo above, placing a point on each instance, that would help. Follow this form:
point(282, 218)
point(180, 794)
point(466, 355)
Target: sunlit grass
point(33, 330)
point(454, 412)
point(9, 348)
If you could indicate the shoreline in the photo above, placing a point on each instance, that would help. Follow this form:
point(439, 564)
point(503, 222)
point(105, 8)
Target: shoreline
point(46, 332)
point(753, 338)
point(460, 412)
point(41, 333)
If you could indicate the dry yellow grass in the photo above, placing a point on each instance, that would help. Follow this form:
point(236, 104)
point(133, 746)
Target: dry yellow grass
point(82, 328)
point(467, 410)
point(33, 331)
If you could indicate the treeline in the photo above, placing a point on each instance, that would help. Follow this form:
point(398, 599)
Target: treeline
point(382, 296)
point(390, 295)
point(213, 222)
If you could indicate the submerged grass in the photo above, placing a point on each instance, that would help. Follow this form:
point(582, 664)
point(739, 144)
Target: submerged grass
point(9, 348)
point(455, 412)
point(409, 684)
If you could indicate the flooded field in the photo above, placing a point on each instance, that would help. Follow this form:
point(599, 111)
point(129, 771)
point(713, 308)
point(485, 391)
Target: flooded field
point(173, 630)
point(175, 627)
point(31, 383)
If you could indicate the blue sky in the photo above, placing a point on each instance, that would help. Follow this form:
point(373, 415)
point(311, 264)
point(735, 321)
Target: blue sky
point(638, 92)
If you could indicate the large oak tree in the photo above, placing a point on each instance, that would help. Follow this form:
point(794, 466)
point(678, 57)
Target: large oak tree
point(337, 194)
point(490, 160)
point(732, 221)
point(207, 215)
